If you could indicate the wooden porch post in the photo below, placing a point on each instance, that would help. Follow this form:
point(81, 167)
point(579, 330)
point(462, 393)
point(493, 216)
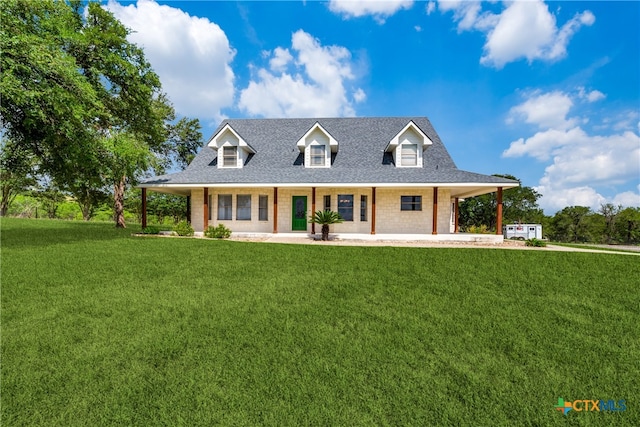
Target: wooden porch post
point(275, 210)
point(189, 209)
point(205, 208)
point(313, 208)
point(499, 212)
point(456, 212)
point(144, 208)
point(373, 210)
point(434, 226)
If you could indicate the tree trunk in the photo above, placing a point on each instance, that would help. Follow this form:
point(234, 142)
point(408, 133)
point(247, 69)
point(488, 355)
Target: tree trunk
point(118, 203)
point(325, 231)
point(86, 211)
point(7, 197)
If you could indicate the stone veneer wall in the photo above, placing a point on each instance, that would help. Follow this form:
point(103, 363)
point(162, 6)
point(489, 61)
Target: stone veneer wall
point(389, 218)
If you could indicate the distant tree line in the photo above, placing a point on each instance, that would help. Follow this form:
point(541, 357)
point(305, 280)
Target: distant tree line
point(167, 209)
point(578, 224)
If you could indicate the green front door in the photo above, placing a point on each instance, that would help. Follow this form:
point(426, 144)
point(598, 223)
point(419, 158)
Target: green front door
point(299, 213)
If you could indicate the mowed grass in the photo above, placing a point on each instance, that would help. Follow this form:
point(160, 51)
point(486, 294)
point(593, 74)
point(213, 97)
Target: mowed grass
point(102, 328)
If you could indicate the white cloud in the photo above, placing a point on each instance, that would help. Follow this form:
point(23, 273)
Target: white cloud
point(554, 199)
point(281, 59)
point(612, 159)
point(359, 95)
point(524, 29)
point(468, 14)
point(378, 9)
point(580, 162)
point(548, 110)
point(191, 55)
point(310, 80)
point(628, 198)
point(592, 96)
point(595, 95)
point(542, 145)
point(431, 7)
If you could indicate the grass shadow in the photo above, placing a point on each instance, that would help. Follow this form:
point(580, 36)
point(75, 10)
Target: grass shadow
point(20, 233)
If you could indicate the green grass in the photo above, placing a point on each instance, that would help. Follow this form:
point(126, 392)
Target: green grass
point(101, 328)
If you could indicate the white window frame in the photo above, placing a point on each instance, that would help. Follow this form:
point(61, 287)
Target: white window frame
point(315, 156)
point(222, 210)
point(263, 208)
point(327, 202)
point(409, 159)
point(243, 209)
point(227, 161)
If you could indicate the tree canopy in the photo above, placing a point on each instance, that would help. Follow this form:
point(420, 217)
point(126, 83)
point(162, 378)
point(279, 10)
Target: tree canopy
point(519, 205)
point(84, 100)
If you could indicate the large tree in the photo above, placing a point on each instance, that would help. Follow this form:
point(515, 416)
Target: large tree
point(609, 213)
point(185, 139)
point(48, 106)
point(571, 224)
point(519, 204)
point(627, 226)
point(84, 100)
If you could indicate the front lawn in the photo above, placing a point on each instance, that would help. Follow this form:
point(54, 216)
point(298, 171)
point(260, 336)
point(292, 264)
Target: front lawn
point(101, 328)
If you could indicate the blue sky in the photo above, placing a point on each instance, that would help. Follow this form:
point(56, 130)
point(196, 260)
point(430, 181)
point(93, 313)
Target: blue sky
point(546, 91)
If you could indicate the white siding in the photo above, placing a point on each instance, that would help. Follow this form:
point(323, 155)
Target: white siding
point(317, 137)
point(408, 137)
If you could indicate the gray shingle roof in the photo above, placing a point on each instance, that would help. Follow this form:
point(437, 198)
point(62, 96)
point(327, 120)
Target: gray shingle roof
point(360, 158)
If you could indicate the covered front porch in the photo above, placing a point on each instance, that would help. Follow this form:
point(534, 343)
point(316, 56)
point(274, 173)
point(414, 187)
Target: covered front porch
point(374, 212)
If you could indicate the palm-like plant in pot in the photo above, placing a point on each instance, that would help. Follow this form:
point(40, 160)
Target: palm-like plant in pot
point(325, 218)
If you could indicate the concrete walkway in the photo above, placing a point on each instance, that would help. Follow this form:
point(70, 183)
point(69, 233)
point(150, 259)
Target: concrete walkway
point(599, 251)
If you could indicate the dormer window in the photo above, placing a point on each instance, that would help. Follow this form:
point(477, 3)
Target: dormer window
point(232, 150)
point(407, 146)
point(317, 155)
point(229, 156)
point(317, 145)
point(409, 154)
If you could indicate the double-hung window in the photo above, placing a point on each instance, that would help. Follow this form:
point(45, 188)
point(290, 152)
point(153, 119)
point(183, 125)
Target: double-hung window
point(317, 155)
point(363, 208)
point(409, 155)
point(345, 206)
point(229, 156)
point(410, 203)
point(327, 203)
point(243, 207)
point(224, 206)
point(263, 208)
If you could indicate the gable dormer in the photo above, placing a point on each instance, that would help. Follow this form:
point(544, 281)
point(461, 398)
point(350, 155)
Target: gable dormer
point(408, 145)
point(233, 151)
point(317, 145)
